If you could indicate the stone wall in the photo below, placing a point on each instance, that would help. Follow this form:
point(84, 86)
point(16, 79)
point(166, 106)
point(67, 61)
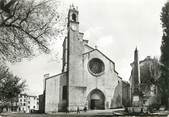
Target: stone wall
point(41, 103)
point(125, 94)
point(77, 83)
point(76, 49)
point(53, 93)
point(108, 82)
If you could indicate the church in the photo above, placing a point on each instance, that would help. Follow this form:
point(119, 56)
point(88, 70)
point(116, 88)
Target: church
point(88, 78)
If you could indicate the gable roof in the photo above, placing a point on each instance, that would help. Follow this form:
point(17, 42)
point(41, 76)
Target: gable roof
point(89, 46)
point(55, 75)
point(102, 54)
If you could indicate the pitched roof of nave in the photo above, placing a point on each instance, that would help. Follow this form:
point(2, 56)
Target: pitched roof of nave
point(55, 75)
point(89, 47)
point(100, 53)
point(92, 50)
point(103, 55)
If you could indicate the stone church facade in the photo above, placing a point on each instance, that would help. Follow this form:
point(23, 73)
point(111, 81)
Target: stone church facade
point(88, 77)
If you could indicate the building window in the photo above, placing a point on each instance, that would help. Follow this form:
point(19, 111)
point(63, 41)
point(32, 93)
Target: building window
point(74, 17)
point(64, 93)
point(24, 104)
point(96, 66)
point(33, 106)
point(20, 100)
point(28, 102)
point(28, 106)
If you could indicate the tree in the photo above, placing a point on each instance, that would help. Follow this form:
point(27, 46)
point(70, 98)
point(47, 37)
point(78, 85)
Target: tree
point(10, 87)
point(25, 26)
point(164, 59)
point(149, 73)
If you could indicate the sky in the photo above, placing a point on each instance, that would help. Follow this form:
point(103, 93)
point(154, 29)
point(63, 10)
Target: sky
point(116, 27)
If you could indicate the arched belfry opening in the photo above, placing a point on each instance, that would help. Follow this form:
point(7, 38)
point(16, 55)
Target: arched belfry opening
point(96, 100)
point(74, 17)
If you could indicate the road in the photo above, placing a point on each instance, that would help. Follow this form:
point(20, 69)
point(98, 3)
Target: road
point(93, 113)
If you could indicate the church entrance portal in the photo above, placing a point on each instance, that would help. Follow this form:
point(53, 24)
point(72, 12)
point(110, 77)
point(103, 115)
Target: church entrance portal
point(96, 99)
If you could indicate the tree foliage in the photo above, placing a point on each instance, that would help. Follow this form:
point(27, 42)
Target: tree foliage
point(165, 38)
point(149, 73)
point(25, 26)
point(10, 86)
point(164, 78)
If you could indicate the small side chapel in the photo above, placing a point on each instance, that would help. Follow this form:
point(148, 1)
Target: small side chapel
point(88, 77)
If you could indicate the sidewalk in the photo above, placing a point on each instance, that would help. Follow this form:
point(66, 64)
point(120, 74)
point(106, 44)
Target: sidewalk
point(162, 112)
point(90, 112)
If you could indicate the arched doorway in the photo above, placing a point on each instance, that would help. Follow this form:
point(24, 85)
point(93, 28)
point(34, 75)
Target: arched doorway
point(96, 99)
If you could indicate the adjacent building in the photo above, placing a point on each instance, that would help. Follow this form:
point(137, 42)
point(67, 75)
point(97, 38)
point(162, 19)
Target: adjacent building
point(42, 103)
point(27, 103)
point(125, 93)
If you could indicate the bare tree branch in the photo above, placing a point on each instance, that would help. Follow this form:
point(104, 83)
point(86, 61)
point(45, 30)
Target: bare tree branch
point(25, 25)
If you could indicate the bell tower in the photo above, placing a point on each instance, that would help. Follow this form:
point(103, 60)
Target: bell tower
point(74, 64)
point(73, 18)
point(72, 32)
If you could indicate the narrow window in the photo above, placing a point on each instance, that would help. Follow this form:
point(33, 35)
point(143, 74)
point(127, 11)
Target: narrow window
point(64, 93)
point(74, 17)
